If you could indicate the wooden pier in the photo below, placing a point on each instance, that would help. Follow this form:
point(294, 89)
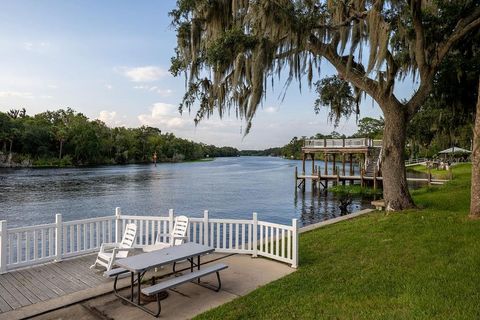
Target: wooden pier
point(362, 155)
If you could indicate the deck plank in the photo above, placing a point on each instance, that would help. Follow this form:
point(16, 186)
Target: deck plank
point(20, 286)
point(17, 299)
point(81, 274)
point(72, 283)
point(41, 283)
point(4, 306)
point(74, 272)
point(41, 294)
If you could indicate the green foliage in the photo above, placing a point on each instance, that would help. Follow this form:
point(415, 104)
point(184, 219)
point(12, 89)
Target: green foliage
point(294, 148)
point(354, 190)
point(65, 138)
point(370, 128)
point(228, 46)
point(446, 118)
point(274, 152)
point(421, 264)
point(335, 94)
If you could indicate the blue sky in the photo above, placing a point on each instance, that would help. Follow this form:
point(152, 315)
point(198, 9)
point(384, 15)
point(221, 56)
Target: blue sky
point(110, 60)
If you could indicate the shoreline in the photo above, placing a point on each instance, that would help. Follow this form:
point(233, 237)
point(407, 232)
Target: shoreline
point(33, 166)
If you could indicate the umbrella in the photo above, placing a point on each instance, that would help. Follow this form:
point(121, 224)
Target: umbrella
point(455, 150)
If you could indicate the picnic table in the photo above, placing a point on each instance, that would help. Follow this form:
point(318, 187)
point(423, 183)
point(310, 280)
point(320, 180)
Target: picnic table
point(138, 265)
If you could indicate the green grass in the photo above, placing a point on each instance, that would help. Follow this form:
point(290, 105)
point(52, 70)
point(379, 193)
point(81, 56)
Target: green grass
point(419, 264)
point(354, 189)
point(436, 173)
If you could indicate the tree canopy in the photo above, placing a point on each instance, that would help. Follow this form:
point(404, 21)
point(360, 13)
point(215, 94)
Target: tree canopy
point(228, 49)
point(65, 137)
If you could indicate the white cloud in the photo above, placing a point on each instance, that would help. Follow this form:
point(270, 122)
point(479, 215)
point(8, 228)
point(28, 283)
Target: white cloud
point(38, 47)
point(28, 46)
point(15, 94)
point(109, 86)
point(52, 86)
point(271, 109)
point(163, 115)
point(143, 74)
point(110, 118)
point(162, 92)
point(23, 95)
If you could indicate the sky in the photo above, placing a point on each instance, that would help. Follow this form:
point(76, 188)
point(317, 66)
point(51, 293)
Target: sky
point(109, 60)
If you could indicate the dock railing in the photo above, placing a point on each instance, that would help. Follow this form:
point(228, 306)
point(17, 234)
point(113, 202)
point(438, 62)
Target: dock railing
point(342, 143)
point(33, 245)
point(410, 162)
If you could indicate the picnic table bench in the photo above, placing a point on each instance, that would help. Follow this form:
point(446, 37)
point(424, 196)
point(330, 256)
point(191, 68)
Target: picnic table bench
point(138, 265)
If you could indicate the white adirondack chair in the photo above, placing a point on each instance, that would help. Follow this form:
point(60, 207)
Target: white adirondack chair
point(109, 252)
point(175, 238)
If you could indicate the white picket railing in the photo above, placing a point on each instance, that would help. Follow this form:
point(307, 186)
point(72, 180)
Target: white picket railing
point(27, 246)
point(342, 143)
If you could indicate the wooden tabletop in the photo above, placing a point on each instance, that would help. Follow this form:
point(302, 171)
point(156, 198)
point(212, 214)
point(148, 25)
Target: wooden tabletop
point(154, 259)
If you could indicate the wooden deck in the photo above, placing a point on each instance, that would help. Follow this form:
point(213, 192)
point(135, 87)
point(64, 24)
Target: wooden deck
point(366, 178)
point(46, 282)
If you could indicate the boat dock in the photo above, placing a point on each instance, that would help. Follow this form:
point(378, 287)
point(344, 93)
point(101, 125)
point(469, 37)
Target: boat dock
point(346, 161)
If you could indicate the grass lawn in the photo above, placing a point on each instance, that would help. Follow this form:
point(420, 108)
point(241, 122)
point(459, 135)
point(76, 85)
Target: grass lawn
point(420, 264)
point(436, 173)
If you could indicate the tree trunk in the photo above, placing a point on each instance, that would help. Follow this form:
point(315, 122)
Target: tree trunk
point(395, 188)
point(60, 152)
point(475, 189)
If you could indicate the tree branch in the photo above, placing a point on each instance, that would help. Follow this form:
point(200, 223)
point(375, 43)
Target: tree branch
point(354, 75)
point(463, 27)
point(346, 22)
point(392, 69)
point(420, 95)
point(416, 7)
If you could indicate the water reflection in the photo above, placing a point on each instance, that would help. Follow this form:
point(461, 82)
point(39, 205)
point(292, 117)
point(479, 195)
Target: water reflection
point(319, 205)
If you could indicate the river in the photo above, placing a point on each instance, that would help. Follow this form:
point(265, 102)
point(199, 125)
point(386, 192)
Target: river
point(227, 187)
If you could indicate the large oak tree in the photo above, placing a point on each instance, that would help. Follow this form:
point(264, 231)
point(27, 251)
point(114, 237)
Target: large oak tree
point(228, 49)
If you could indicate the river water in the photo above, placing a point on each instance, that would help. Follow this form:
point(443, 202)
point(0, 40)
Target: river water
point(227, 187)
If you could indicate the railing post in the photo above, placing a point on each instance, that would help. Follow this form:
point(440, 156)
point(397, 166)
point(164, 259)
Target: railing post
point(205, 227)
point(254, 235)
point(118, 224)
point(171, 214)
point(429, 177)
point(3, 246)
point(58, 237)
point(295, 243)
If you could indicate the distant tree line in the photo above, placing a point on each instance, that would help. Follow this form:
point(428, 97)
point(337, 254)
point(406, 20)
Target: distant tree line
point(65, 137)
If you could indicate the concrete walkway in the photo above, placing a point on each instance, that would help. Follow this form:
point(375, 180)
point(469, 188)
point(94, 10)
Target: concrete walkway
point(244, 275)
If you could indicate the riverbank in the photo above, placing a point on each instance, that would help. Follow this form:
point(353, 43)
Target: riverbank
point(20, 161)
point(416, 264)
point(436, 173)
